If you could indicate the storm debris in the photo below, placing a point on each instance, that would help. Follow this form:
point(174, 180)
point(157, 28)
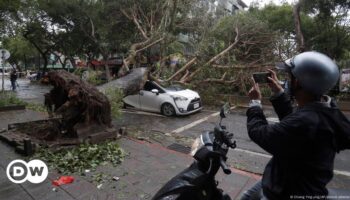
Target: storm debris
point(79, 103)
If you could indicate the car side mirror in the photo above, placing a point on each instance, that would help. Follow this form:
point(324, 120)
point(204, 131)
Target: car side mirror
point(155, 91)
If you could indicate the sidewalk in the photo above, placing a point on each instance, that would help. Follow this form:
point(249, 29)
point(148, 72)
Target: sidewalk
point(142, 173)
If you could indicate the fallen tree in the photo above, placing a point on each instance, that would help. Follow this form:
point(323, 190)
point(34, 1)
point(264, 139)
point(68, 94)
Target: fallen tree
point(129, 84)
point(233, 49)
point(79, 113)
point(78, 102)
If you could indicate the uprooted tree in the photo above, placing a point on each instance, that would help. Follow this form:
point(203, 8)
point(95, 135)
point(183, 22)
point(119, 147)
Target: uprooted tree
point(77, 102)
point(83, 108)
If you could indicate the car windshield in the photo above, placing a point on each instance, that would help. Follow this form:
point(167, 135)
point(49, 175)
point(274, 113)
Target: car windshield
point(174, 88)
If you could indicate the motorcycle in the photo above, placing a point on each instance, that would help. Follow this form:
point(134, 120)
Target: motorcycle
point(198, 182)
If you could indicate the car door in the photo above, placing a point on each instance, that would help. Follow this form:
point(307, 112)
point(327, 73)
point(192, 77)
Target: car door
point(150, 101)
point(133, 100)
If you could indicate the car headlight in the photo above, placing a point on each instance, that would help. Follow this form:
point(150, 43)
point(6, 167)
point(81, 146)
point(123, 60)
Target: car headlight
point(179, 98)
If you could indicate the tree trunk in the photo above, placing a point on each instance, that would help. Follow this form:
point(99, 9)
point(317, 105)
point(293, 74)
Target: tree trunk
point(134, 49)
point(108, 73)
point(25, 62)
point(297, 23)
point(129, 84)
point(185, 67)
point(41, 52)
point(39, 63)
point(72, 61)
point(63, 64)
point(45, 63)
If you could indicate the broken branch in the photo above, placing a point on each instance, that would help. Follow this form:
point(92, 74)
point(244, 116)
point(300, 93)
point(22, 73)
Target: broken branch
point(185, 67)
point(217, 56)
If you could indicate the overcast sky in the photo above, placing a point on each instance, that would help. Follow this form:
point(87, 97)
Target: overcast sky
point(263, 2)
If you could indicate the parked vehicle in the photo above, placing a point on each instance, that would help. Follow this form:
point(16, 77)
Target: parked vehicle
point(197, 182)
point(169, 101)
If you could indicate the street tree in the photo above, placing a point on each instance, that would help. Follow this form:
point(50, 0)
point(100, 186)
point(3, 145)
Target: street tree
point(7, 16)
point(21, 50)
point(331, 30)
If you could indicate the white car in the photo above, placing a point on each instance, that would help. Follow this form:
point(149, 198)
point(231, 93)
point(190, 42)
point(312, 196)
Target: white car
point(169, 101)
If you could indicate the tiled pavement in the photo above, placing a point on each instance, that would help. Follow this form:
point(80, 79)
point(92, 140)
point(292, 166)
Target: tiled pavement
point(141, 174)
point(146, 168)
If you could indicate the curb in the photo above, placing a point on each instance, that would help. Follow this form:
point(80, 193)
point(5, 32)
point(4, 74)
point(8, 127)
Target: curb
point(12, 107)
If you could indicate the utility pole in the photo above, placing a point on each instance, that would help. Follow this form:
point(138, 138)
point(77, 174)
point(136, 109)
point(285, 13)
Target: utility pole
point(3, 74)
point(4, 55)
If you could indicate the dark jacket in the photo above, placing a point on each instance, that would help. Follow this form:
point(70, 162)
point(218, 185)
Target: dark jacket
point(13, 76)
point(303, 145)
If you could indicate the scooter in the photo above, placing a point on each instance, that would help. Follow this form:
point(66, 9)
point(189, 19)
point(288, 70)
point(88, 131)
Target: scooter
point(197, 182)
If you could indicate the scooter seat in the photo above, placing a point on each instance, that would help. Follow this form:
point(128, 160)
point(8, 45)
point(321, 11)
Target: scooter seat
point(336, 194)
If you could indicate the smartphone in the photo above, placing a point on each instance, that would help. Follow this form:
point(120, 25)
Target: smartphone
point(261, 77)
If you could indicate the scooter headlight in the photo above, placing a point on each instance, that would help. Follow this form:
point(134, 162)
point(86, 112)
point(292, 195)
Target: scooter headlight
point(171, 197)
point(197, 144)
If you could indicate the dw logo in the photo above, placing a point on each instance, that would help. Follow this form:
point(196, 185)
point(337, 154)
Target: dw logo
point(35, 171)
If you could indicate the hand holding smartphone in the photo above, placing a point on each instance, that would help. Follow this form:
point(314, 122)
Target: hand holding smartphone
point(261, 77)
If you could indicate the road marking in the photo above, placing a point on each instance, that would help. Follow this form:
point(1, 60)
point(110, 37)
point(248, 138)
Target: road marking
point(337, 172)
point(141, 113)
point(195, 123)
point(344, 173)
point(253, 153)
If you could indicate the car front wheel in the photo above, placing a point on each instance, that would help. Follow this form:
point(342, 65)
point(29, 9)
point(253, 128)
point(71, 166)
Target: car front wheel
point(168, 109)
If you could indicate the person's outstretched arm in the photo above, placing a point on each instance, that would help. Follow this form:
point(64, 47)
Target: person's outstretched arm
point(281, 102)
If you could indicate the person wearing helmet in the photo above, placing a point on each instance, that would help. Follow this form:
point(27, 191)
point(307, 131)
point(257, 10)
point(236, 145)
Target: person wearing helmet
point(304, 143)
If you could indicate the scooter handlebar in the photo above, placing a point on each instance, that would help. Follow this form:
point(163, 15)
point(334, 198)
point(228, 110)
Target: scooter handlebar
point(224, 167)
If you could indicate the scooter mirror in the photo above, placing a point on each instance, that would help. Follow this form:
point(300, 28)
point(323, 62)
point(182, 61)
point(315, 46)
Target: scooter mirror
point(225, 110)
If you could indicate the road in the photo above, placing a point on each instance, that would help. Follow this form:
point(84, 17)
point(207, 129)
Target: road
point(247, 156)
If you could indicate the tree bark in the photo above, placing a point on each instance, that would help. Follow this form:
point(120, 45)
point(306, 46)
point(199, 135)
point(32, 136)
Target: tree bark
point(108, 73)
point(297, 23)
point(134, 49)
point(45, 62)
point(72, 61)
point(129, 84)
